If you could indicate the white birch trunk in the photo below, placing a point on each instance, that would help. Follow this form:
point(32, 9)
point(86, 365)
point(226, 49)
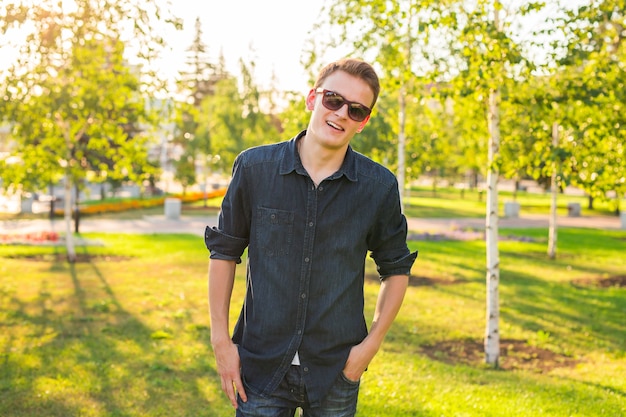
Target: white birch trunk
point(552, 231)
point(69, 236)
point(67, 213)
point(492, 334)
point(401, 146)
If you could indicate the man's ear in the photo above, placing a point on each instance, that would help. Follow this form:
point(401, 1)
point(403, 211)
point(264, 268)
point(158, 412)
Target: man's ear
point(310, 100)
point(363, 123)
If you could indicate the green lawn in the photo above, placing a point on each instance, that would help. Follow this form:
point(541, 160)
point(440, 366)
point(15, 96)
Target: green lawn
point(449, 202)
point(127, 334)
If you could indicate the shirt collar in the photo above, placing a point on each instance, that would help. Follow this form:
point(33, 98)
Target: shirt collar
point(291, 161)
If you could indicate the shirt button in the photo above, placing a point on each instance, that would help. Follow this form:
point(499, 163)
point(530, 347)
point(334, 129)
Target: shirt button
point(306, 369)
point(299, 331)
point(321, 188)
point(310, 224)
point(303, 295)
point(306, 259)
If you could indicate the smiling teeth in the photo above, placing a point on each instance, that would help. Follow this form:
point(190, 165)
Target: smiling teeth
point(334, 125)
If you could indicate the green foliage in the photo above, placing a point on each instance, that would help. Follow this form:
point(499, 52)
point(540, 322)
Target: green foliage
point(458, 48)
point(295, 116)
point(586, 97)
point(74, 103)
point(220, 117)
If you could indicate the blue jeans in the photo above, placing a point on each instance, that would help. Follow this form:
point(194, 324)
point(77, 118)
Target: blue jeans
point(291, 393)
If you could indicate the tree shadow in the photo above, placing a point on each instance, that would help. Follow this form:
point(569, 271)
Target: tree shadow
point(75, 345)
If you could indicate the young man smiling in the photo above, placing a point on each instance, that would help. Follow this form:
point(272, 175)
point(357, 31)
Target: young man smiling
point(309, 210)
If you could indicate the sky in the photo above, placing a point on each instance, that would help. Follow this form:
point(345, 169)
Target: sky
point(276, 30)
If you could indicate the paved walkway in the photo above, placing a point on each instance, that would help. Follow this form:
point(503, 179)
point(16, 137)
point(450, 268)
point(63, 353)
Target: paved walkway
point(195, 225)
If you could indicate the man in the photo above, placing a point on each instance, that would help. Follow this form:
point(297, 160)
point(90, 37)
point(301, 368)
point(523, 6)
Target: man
point(308, 210)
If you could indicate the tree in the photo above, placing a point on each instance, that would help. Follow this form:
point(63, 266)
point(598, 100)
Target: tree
point(235, 118)
point(196, 82)
point(72, 98)
point(590, 78)
point(485, 60)
point(199, 79)
point(396, 35)
point(222, 115)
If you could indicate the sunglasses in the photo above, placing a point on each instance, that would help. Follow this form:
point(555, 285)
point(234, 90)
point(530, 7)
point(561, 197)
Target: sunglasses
point(334, 101)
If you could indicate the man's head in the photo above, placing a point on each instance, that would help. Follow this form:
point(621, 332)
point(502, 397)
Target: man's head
point(356, 68)
point(341, 102)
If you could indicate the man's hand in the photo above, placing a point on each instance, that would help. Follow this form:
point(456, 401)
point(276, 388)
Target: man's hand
point(359, 359)
point(390, 298)
point(228, 367)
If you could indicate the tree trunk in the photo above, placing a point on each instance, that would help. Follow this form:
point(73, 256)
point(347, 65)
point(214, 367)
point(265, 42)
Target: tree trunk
point(69, 236)
point(492, 334)
point(76, 209)
point(552, 233)
point(401, 145)
point(52, 199)
point(67, 214)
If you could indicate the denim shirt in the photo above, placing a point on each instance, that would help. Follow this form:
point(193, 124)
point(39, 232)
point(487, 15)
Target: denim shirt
point(306, 259)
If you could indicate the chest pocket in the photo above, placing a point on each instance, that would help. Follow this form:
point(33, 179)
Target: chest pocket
point(275, 231)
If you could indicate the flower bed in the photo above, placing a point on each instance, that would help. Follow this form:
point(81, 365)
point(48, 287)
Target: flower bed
point(32, 238)
point(109, 207)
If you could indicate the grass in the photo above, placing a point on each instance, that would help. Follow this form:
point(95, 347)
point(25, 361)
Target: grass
point(449, 203)
point(128, 334)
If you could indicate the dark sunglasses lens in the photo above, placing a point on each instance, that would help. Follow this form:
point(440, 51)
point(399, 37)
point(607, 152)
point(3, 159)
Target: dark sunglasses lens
point(357, 113)
point(332, 101)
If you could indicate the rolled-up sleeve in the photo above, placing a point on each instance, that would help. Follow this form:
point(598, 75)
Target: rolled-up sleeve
point(230, 238)
point(388, 244)
point(223, 246)
point(401, 266)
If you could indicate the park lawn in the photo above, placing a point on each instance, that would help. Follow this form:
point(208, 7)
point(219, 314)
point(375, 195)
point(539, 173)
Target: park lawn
point(448, 202)
point(127, 334)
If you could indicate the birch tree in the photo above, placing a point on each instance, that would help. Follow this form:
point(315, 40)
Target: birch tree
point(591, 78)
point(395, 35)
point(71, 94)
point(484, 60)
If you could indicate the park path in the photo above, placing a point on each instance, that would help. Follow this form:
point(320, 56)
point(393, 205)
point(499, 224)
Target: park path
point(196, 225)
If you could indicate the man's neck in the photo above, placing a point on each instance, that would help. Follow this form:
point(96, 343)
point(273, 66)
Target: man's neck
point(320, 162)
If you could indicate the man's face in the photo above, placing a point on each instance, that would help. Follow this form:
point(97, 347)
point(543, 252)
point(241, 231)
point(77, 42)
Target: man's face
point(334, 128)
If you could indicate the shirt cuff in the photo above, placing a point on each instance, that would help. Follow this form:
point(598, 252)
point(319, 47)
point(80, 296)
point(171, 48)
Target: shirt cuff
point(223, 246)
point(400, 266)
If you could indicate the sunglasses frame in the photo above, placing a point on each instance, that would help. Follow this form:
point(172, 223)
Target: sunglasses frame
point(351, 104)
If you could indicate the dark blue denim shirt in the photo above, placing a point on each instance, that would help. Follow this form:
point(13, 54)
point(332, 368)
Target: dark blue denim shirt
point(306, 259)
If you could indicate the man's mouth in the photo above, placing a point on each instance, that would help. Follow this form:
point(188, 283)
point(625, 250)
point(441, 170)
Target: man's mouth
point(333, 125)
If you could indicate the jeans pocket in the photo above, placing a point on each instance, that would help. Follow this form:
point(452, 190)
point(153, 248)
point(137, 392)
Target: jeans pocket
point(348, 380)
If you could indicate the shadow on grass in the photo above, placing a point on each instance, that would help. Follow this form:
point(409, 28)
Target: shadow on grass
point(74, 348)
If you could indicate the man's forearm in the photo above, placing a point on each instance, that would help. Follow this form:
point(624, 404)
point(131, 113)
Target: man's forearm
point(390, 299)
point(221, 282)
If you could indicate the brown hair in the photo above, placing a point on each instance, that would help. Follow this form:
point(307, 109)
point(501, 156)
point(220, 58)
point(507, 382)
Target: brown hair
point(356, 68)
